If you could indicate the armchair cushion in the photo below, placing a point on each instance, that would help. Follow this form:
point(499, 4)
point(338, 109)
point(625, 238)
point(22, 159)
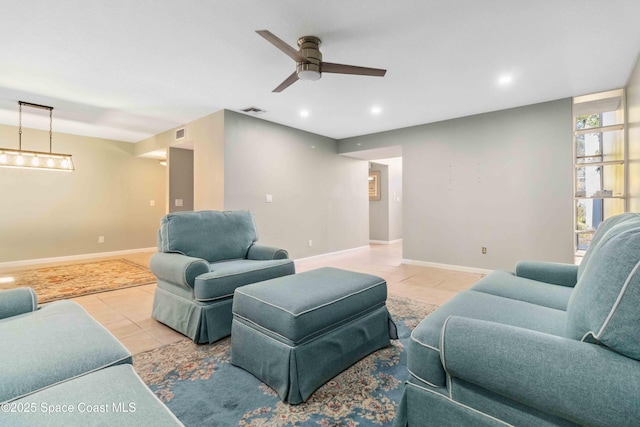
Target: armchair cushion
point(225, 276)
point(548, 272)
point(51, 345)
point(210, 235)
point(604, 305)
point(119, 394)
point(505, 284)
point(17, 301)
point(542, 371)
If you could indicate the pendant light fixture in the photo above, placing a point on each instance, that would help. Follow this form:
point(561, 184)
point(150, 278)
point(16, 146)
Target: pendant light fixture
point(20, 158)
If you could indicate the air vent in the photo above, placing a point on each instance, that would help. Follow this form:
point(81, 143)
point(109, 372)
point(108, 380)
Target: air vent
point(180, 134)
point(253, 110)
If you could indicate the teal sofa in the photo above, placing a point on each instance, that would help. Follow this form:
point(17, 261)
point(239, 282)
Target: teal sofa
point(202, 258)
point(58, 366)
point(552, 344)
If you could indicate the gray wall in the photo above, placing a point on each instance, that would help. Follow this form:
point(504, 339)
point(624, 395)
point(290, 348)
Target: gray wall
point(502, 180)
point(52, 214)
point(317, 194)
point(379, 209)
point(180, 166)
point(633, 136)
point(395, 199)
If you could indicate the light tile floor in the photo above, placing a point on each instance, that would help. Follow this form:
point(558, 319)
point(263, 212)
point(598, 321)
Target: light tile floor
point(127, 312)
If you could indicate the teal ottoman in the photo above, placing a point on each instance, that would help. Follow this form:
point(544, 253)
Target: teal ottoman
point(296, 332)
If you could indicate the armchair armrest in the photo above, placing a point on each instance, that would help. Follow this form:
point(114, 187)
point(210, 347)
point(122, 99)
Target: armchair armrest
point(262, 252)
point(548, 272)
point(17, 301)
point(585, 383)
point(177, 268)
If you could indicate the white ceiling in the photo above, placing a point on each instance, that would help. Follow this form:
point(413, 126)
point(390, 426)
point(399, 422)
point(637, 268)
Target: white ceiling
point(127, 70)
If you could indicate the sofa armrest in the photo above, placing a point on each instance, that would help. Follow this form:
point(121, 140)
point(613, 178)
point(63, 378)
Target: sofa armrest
point(177, 268)
point(548, 272)
point(262, 252)
point(585, 383)
point(17, 301)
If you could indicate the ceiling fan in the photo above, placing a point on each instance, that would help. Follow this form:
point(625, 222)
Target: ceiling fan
point(309, 64)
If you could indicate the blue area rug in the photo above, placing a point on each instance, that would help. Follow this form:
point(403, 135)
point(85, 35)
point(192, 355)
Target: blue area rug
point(201, 387)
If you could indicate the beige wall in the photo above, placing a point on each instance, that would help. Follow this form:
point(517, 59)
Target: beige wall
point(207, 135)
point(633, 135)
point(180, 165)
point(52, 214)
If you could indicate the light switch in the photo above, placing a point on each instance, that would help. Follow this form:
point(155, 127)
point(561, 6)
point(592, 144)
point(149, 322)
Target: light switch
point(269, 198)
point(179, 202)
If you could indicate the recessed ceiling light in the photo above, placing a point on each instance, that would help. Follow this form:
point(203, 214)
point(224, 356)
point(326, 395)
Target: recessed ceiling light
point(505, 79)
point(375, 110)
point(304, 113)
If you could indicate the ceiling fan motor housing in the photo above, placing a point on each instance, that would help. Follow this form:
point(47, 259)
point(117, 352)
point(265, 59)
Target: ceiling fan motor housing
point(310, 48)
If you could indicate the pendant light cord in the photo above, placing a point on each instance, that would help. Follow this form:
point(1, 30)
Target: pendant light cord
point(50, 130)
point(20, 129)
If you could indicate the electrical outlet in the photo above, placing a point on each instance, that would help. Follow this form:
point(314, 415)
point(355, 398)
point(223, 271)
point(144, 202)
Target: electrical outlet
point(269, 198)
point(100, 239)
point(152, 202)
point(310, 242)
point(179, 202)
point(484, 250)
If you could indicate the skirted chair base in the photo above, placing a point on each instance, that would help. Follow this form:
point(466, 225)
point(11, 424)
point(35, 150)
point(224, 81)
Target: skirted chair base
point(202, 322)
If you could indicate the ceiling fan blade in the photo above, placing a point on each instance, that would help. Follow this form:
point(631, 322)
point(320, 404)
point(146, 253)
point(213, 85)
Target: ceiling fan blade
point(283, 46)
point(329, 67)
point(288, 82)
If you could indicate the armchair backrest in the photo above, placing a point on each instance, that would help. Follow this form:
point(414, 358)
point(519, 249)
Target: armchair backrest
point(607, 229)
point(603, 307)
point(210, 235)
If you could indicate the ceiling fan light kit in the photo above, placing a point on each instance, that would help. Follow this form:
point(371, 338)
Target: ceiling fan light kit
point(310, 48)
point(309, 64)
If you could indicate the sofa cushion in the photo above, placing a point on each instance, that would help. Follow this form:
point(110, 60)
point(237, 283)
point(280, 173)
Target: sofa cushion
point(226, 276)
point(505, 284)
point(210, 235)
point(53, 344)
point(604, 306)
point(424, 346)
point(114, 396)
point(298, 307)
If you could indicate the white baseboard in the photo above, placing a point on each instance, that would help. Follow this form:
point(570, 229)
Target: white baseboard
point(38, 261)
point(317, 257)
point(385, 242)
point(447, 266)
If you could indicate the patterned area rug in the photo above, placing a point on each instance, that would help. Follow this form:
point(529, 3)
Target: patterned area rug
point(69, 281)
point(201, 387)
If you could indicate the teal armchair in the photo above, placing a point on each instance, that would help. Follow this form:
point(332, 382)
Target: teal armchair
point(553, 344)
point(202, 258)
